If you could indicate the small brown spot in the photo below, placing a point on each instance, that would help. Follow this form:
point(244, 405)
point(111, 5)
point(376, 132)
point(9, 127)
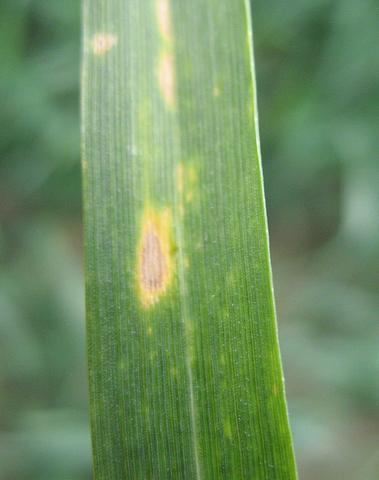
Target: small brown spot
point(166, 78)
point(102, 42)
point(164, 18)
point(154, 256)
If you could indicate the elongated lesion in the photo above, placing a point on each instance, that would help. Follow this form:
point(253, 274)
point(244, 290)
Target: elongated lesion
point(155, 262)
point(166, 78)
point(163, 13)
point(165, 61)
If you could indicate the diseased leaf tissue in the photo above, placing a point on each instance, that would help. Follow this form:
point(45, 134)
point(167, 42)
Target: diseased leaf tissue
point(184, 368)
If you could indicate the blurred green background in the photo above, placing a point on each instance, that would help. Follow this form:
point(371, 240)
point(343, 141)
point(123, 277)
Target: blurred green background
point(318, 78)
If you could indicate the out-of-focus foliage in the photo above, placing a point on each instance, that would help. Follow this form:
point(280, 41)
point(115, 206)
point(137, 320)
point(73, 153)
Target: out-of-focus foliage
point(318, 80)
point(43, 392)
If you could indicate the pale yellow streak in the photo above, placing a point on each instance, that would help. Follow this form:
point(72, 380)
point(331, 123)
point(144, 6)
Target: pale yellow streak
point(166, 78)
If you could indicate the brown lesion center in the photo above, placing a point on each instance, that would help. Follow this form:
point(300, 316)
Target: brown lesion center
point(153, 263)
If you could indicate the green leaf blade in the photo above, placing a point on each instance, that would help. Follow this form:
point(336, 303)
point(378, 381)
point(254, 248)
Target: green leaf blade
point(184, 368)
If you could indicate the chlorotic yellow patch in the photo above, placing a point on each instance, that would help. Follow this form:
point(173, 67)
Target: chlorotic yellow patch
point(154, 263)
point(101, 43)
point(227, 428)
point(192, 174)
point(216, 91)
point(186, 179)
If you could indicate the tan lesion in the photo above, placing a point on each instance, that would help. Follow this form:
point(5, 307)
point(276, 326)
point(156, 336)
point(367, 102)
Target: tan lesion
point(163, 14)
point(155, 262)
point(102, 42)
point(165, 64)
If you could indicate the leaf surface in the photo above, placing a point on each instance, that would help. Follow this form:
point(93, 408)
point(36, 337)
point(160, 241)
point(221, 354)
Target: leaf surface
point(184, 368)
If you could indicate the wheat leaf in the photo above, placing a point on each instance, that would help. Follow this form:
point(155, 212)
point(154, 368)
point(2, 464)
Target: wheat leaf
point(184, 368)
